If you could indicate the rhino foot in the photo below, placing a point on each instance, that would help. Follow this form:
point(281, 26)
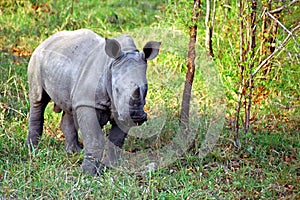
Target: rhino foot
point(113, 156)
point(73, 148)
point(91, 166)
point(32, 143)
point(32, 147)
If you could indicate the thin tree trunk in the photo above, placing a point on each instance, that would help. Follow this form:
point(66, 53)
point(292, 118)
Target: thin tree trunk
point(241, 87)
point(251, 64)
point(185, 106)
point(262, 50)
point(270, 37)
point(242, 42)
point(209, 29)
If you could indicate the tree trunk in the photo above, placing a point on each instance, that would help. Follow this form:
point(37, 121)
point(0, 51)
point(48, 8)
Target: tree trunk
point(185, 106)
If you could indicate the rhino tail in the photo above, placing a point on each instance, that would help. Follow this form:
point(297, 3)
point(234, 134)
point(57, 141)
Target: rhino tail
point(34, 78)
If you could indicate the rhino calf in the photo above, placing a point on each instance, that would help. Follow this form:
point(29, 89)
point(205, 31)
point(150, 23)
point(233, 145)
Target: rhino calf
point(93, 80)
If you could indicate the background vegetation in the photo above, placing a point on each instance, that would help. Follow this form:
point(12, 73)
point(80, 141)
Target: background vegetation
point(266, 167)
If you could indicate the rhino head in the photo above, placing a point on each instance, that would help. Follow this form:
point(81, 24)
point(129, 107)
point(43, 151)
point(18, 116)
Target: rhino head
point(128, 78)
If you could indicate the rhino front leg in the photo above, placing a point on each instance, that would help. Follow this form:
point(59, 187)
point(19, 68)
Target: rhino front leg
point(115, 143)
point(93, 139)
point(36, 120)
point(67, 126)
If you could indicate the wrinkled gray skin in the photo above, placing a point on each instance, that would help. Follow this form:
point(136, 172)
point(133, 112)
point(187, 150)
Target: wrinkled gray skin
point(92, 80)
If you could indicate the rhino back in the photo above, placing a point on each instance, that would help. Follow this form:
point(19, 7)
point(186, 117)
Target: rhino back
point(58, 62)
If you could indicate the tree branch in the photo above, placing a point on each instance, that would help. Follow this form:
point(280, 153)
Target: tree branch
point(278, 10)
point(284, 28)
point(264, 62)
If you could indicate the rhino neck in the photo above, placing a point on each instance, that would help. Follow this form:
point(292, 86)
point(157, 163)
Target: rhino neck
point(106, 82)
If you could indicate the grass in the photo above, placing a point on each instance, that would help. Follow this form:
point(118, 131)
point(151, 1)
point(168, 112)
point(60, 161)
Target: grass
point(266, 168)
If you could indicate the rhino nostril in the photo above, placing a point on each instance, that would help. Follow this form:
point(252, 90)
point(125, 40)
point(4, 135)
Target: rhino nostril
point(136, 94)
point(121, 117)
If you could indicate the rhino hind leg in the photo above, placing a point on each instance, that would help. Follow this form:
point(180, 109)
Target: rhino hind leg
point(36, 120)
point(68, 127)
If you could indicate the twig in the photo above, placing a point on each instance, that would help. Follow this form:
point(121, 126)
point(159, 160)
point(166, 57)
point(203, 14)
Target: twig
point(275, 51)
point(285, 106)
point(277, 10)
point(284, 28)
point(4, 106)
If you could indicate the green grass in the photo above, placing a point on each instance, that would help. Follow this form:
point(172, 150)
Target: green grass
point(266, 168)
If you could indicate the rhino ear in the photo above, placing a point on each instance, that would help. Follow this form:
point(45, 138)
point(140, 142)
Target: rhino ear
point(112, 48)
point(151, 50)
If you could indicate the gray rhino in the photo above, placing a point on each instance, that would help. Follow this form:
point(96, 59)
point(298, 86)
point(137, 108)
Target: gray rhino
point(93, 80)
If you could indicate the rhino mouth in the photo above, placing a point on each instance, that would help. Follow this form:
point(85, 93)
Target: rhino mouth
point(138, 116)
point(133, 118)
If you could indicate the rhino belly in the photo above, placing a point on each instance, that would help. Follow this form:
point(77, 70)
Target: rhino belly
point(57, 81)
